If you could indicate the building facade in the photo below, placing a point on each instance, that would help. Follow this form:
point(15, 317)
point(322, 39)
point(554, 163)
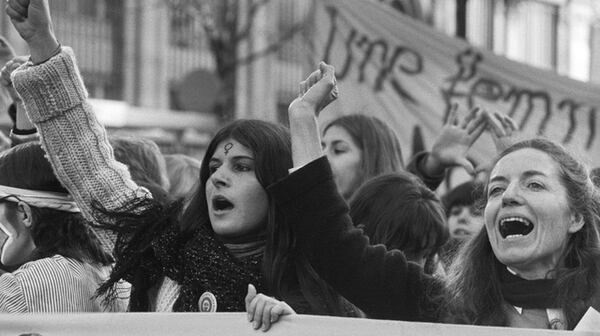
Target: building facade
point(157, 55)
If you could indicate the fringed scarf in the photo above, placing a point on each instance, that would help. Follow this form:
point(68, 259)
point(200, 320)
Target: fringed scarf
point(150, 246)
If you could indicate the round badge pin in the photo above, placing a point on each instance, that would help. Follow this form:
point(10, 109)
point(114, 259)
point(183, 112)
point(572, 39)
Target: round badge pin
point(557, 324)
point(207, 303)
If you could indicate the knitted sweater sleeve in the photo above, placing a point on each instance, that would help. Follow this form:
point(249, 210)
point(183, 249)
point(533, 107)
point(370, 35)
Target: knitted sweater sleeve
point(379, 282)
point(75, 142)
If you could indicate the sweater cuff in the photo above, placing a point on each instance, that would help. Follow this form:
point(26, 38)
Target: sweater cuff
point(301, 181)
point(17, 131)
point(51, 88)
point(18, 137)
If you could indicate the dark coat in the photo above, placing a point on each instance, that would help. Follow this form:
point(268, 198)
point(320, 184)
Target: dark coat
point(381, 283)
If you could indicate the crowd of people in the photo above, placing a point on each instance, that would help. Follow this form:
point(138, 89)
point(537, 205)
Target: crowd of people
point(276, 221)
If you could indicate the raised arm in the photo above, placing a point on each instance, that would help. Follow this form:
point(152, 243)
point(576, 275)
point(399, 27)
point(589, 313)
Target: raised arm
point(381, 283)
point(23, 129)
point(56, 102)
point(316, 92)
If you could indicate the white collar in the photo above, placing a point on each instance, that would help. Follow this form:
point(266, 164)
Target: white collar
point(556, 317)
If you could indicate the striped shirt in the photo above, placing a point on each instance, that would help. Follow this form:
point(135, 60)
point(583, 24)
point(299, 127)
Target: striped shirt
point(56, 284)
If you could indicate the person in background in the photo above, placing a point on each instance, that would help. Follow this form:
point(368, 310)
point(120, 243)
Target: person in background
point(145, 163)
point(464, 217)
point(60, 262)
point(400, 212)
point(361, 147)
point(183, 172)
point(462, 209)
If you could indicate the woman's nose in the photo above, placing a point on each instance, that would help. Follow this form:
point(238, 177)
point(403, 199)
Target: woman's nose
point(511, 195)
point(219, 178)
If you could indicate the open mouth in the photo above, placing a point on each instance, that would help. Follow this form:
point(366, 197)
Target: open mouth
point(515, 227)
point(461, 233)
point(221, 203)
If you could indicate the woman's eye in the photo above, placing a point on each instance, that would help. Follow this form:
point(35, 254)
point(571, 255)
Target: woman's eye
point(212, 169)
point(242, 167)
point(495, 191)
point(475, 210)
point(535, 186)
point(455, 211)
point(338, 151)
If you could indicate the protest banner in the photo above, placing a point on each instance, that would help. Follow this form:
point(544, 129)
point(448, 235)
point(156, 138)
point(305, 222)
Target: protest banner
point(217, 324)
point(408, 74)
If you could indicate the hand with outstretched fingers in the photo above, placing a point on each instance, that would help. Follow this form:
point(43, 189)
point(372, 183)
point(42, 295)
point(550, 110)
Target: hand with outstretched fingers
point(503, 129)
point(456, 138)
point(504, 132)
point(318, 90)
point(264, 310)
point(31, 19)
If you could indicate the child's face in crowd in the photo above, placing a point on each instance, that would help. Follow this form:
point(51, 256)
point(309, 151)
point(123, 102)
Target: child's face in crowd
point(464, 221)
point(527, 217)
point(19, 245)
point(237, 203)
point(345, 158)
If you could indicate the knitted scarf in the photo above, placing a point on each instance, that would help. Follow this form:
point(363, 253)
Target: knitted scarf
point(203, 264)
point(529, 294)
point(150, 246)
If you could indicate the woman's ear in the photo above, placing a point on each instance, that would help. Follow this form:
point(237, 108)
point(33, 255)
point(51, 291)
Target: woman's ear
point(577, 223)
point(24, 214)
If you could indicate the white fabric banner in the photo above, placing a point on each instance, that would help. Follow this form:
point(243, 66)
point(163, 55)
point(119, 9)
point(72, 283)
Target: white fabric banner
point(217, 324)
point(408, 74)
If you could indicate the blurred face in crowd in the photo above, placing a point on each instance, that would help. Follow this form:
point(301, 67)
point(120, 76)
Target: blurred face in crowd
point(345, 158)
point(237, 203)
point(464, 221)
point(19, 245)
point(528, 217)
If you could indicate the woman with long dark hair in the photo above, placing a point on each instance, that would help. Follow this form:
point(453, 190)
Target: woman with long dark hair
point(360, 147)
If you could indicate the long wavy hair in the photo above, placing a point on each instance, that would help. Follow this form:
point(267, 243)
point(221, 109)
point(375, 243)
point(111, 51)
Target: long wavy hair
point(271, 145)
point(283, 265)
point(399, 211)
point(473, 286)
point(53, 231)
point(378, 142)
